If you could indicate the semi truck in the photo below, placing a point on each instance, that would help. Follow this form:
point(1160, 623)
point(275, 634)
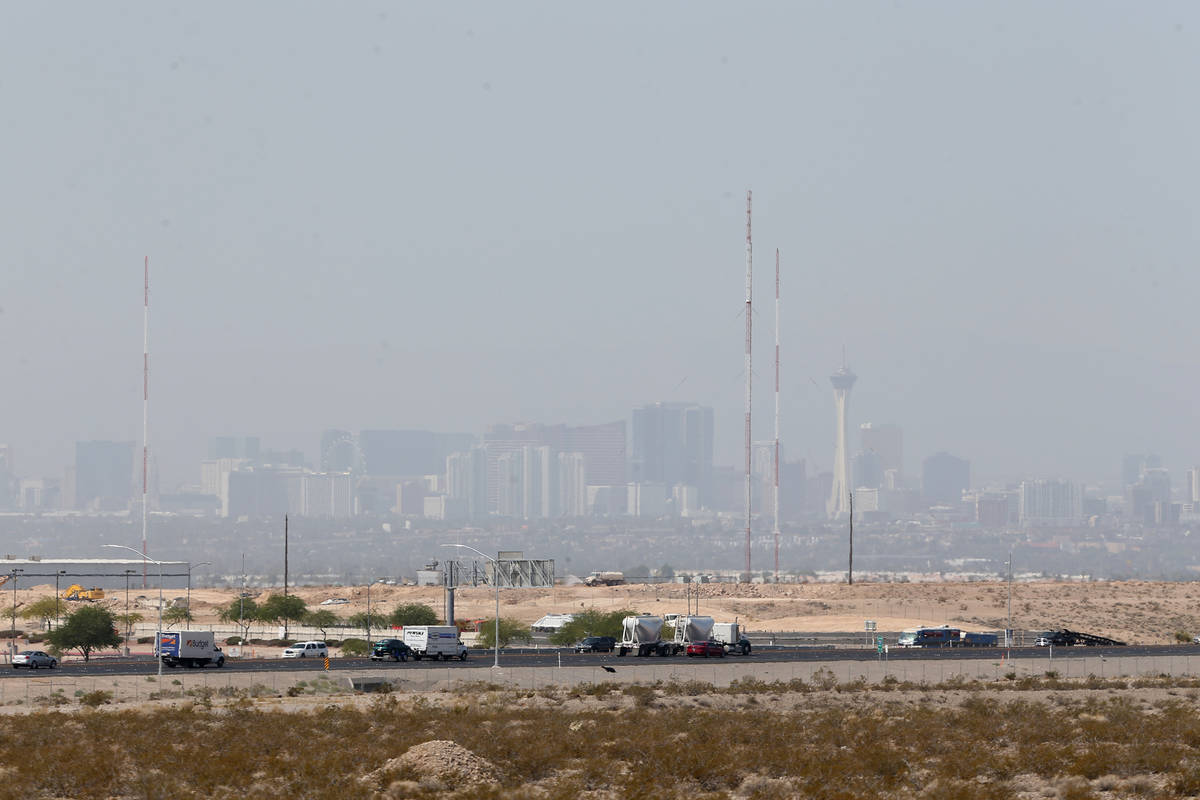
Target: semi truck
point(730, 634)
point(434, 642)
point(691, 629)
point(188, 649)
point(642, 636)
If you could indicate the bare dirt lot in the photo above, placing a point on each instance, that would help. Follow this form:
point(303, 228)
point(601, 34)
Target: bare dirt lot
point(1132, 611)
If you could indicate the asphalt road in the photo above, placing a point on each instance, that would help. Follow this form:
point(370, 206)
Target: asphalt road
point(551, 658)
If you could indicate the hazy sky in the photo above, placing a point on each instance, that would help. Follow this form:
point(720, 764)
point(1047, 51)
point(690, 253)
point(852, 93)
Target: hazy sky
point(447, 215)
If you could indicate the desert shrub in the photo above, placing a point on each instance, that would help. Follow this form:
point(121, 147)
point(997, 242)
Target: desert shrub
point(11, 634)
point(333, 642)
point(95, 698)
point(145, 640)
point(354, 647)
point(279, 642)
point(234, 640)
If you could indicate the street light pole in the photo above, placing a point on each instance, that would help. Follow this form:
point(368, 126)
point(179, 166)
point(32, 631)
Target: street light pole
point(189, 586)
point(15, 573)
point(158, 627)
point(496, 581)
point(57, 597)
point(128, 624)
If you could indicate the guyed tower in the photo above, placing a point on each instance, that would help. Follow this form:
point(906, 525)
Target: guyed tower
point(145, 409)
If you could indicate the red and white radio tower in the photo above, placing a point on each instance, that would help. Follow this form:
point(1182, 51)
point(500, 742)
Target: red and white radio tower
point(145, 410)
point(776, 415)
point(749, 335)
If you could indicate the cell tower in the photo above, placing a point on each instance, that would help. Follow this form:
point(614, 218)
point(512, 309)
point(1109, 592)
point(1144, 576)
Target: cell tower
point(145, 409)
point(749, 334)
point(776, 493)
point(842, 380)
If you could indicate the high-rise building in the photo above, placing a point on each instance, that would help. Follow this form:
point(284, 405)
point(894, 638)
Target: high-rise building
point(886, 442)
point(9, 497)
point(1193, 485)
point(868, 470)
point(466, 481)
point(1051, 503)
point(673, 444)
point(103, 475)
point(1133, 465)
point(602, 446)
point(572, 484)
point(944, 478)
point(839, 495)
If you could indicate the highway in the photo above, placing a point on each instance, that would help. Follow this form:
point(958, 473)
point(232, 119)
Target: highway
point(550, 657)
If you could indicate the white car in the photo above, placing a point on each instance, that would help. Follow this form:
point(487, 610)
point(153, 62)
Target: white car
point(33, 659)
point(307, 650)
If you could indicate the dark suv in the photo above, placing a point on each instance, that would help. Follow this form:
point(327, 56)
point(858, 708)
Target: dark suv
point(395, 649)
point(596, 644)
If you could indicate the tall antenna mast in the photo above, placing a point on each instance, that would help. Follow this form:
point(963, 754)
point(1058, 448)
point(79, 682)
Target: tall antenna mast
point(776, 498)
point(145, 409)
point(749, 333)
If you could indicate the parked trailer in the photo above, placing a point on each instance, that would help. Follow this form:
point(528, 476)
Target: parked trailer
point(188, 649)
point(691, 629)
point(642, 636)
point(1066, 638)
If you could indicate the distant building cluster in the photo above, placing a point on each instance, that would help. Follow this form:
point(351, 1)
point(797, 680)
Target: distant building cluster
point(658, 465)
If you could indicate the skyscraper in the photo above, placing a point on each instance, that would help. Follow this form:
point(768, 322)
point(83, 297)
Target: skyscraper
point(839, 496)
point(944, 478)
point(103, 475)
point(886, 441)
point(673, 445)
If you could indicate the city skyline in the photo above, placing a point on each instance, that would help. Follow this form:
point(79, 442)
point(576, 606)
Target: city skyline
point(1011, 270)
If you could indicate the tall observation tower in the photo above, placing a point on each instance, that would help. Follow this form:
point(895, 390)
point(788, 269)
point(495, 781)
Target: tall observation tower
point(839, 499)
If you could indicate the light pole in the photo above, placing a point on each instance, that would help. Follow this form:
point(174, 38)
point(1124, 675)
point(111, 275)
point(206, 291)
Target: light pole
point(15, 573)
point(369, 582)
point(189, 588)
point(496, 581)
point(57, 597)
point(158, 627)
point(128, 572)
point(1010, 630)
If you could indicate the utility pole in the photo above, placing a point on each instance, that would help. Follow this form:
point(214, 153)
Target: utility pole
point(1010, 630)
point(850, 574)
point(285, 569)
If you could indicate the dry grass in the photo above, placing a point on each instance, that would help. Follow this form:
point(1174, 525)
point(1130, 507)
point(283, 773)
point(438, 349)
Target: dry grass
point(963, 739)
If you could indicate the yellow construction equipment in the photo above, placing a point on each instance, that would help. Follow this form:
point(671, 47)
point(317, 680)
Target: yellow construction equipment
point(77, 592)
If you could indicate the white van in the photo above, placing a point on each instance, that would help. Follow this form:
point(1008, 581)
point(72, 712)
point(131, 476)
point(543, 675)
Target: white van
point(307, 650)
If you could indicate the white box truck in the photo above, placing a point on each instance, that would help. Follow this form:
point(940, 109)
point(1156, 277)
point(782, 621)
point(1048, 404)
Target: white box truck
point(642, 636)
point(691, 629)
point(434, 642)
point(730, 634)
point(188, 649)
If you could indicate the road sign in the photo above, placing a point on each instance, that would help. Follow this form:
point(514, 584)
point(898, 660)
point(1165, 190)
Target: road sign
point(326, 662)
point(879, 644)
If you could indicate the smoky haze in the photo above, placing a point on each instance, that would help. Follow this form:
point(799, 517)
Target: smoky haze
point(381, 216)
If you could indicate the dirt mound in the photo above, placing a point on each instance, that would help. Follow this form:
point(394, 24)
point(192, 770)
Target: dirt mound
point(439, 761)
